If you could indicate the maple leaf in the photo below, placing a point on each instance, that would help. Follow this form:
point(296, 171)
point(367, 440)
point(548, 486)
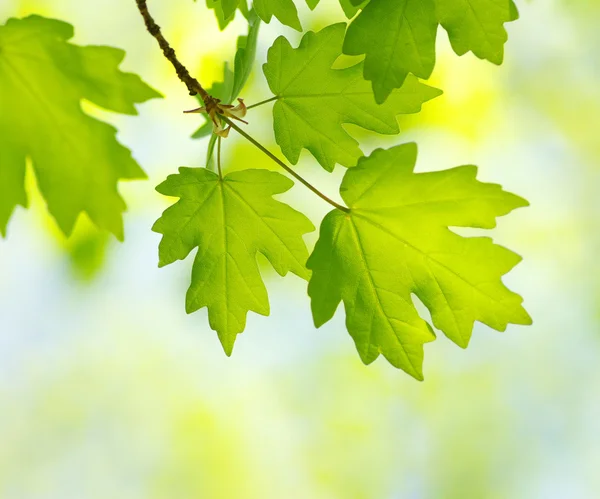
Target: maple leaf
point(396, 241)
point(284, 10)
point(314, 100)
point(76, 158)
point(477, 26)
point(397, 38)
point(229, 220)
point(351, 7)
point(225, 10)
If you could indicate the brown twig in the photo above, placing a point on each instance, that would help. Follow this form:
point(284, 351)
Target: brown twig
point(184, 75)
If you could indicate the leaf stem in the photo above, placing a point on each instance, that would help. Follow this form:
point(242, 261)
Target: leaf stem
point(219, 157)
point(286, 167)
point(184, 75)
point(266, 101)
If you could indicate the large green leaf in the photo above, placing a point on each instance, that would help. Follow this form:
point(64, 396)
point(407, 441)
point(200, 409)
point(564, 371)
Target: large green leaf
point(77, 159)
point(477, 26)
point(314, 100)
point(229, 220)
point(397, 38)
point(396, 242)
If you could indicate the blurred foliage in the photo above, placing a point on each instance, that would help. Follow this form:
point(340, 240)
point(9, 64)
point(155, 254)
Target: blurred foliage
point(94, 408)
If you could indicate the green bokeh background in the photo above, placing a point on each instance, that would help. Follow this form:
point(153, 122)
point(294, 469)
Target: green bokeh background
point(109, 390)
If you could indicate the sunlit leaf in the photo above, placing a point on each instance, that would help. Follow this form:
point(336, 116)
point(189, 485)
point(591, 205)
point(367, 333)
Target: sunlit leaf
point(314, 101)
point(225, 10)
point(397, 38)
point(396, 241)
point(230, 220)
point(76, 158)
point(233, 81)
point(477, 26)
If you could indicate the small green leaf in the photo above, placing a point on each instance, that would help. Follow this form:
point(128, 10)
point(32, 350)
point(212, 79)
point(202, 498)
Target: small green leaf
point(233, 81)
point(398, 38)
point(245, 55)
point(314, 101)
point(225, 10)
point(229, 220)
point(284, 10)
point(477, 26)
point(76, 158)
point(396, 242)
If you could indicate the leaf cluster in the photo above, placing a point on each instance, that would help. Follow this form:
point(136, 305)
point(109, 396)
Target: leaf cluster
point(392, 240)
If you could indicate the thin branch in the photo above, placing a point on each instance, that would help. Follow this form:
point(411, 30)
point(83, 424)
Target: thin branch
point(219, 157)
point(184, 75)
point(266, 101)
point(285, 167)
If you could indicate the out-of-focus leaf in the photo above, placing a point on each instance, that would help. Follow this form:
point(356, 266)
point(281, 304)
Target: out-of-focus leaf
point(86, 249)
point(76, 158)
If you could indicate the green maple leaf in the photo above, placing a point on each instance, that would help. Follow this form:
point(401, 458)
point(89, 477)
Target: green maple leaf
point(229, 220)
point(396, 241)
point(76, 159)
point(284, 10)
point(477, 26)
point(397, 38)
point(225, 10)
point(314, 101)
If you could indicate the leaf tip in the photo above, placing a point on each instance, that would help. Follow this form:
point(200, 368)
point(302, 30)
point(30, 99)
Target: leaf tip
point(524, 318)
point(227, 342)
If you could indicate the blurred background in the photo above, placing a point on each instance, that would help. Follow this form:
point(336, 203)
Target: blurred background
point(109, 390)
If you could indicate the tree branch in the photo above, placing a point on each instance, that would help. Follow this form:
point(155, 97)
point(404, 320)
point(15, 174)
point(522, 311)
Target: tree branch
point(184, 75)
